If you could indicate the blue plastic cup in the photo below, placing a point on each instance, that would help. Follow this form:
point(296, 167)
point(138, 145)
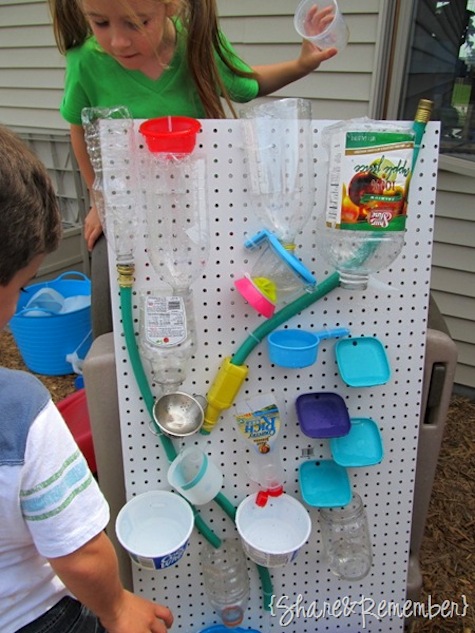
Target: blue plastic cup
point(292, 348)
point(298, 348)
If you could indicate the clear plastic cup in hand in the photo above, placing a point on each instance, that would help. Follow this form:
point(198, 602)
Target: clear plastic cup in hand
point(321, 22)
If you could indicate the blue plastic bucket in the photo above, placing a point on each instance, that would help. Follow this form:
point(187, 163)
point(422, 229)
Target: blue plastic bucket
point(45, 341)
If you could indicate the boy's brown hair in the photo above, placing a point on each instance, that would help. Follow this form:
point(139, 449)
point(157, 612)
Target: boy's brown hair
point(30, 219)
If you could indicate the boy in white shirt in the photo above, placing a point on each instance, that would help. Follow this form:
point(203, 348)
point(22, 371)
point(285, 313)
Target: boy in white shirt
point(58, 569)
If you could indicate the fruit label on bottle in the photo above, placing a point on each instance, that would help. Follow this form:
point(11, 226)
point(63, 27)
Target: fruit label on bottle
point(165, 321)
point(369, 176)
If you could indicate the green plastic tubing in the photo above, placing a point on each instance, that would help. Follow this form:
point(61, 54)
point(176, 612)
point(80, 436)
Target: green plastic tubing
point(264, 575)
point(283, 315)
point(139, 373)
point(226, 505)
point(126, 308)
point(418, 127)
point(220, 499)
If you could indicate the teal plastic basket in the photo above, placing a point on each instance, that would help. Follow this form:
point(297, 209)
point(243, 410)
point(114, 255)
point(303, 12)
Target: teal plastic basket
point(44, 342)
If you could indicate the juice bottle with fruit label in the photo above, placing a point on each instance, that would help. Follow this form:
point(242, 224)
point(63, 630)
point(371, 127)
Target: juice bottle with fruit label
point(366, 203)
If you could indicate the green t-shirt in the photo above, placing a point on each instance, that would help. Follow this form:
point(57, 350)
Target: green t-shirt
point(94, 79)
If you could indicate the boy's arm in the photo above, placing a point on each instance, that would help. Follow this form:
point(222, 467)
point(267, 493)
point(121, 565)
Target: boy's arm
point(91, 573)
point(272, 77)
point(92, 223)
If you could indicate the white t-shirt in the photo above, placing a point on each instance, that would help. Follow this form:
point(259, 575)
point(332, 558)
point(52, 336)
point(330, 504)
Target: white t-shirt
point(50, 505)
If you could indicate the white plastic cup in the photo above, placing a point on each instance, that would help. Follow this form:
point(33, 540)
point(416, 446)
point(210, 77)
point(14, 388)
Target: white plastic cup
point(194, 476)
point(272, 535)
point(321, 22)
point(154, 527)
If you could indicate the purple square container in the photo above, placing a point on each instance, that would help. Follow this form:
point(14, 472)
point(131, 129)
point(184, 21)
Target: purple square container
point(323, 415)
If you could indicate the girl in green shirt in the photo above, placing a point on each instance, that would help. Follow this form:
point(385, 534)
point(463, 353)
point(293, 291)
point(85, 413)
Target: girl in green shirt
point(157, 57)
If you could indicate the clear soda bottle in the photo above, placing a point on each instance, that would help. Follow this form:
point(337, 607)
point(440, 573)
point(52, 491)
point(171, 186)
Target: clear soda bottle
point(226, 580)
point(168, 335)
point(357, 256)
point(114, 186)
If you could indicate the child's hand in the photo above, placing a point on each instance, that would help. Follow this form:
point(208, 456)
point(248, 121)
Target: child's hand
point(316, 22)
point(311, 56)
point(92, 228)
point(138, 615)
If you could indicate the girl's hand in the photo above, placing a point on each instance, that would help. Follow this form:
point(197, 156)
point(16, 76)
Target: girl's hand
point(311, 56)
point(92, 228)
point(316, 21)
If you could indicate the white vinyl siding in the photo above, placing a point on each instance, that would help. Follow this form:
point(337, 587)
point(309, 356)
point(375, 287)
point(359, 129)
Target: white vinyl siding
point(453, 265)
point(31, 87)
point(31, 69)
point(342, 88)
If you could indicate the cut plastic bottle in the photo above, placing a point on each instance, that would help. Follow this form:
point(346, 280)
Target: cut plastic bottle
point(226, 580)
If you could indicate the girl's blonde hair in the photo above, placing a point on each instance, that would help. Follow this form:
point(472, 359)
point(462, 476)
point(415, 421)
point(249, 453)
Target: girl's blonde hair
point(200, 19)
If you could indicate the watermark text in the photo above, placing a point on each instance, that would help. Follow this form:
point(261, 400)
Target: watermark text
point(289, 610)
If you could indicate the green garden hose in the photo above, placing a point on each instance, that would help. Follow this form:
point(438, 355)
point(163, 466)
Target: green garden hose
point(144, 387)
point(283, 315)
point(136, 362)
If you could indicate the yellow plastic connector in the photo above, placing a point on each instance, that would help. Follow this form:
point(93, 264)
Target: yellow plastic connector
point(223, 392)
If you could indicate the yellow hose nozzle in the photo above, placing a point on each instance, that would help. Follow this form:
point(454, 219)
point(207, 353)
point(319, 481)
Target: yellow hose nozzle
point(223, 391)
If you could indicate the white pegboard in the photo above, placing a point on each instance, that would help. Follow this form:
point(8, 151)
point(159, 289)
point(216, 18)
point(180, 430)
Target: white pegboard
point(393, 308)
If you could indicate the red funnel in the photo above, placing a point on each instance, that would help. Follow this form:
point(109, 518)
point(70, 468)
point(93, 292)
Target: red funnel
point(170, 134)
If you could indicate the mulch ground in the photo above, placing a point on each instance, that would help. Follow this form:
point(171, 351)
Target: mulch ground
point(58, 386)
point(448, 550)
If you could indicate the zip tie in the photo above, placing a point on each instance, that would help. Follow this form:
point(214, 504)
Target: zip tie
point(256, 338)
